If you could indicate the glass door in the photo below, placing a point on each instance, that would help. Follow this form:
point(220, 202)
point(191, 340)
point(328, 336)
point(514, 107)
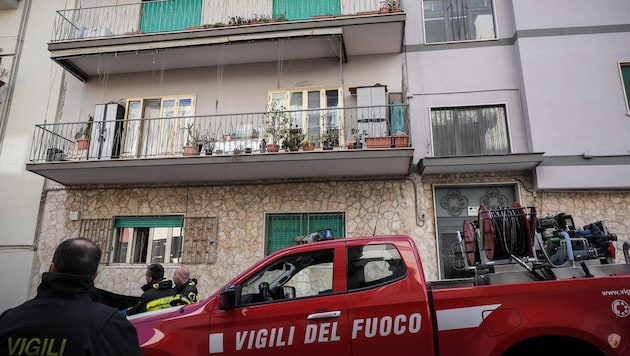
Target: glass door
point(156, 127)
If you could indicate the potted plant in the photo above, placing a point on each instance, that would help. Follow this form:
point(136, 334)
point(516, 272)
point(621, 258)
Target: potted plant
point(193, 140)
point(389, 6)
point(83, 135)
point(207, 144)
point(276, 121)
point(329, 140)
point(308, 144)
point(293, 139)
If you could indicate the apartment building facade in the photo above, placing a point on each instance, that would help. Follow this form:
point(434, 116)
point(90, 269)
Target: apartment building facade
point(420, 112)
point(29, 88)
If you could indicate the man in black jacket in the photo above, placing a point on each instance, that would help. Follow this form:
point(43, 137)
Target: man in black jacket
point(156, 290)
point(185, 287)
point(62, 319)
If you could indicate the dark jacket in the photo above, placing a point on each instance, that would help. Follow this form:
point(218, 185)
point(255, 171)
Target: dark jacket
point(187, 292)
point(62, 319)
point(118, 301)
point(152, 291)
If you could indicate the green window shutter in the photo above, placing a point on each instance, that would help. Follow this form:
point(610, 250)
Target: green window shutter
point(625, 73)
point(305, 9)
point(284, 229)
point(149, 221)
point(171, 15)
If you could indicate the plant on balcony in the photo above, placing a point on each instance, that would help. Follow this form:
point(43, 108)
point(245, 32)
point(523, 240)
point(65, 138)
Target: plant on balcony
point(83, 135)
point(293, 139)
point(193, 140)
point(329, 140)
point(207, 144)
point(276, 121)
point(281, 18)
point(308, 144)
point(389, 6)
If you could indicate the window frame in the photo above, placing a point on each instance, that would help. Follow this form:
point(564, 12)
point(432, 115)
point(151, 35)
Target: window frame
point(136, 134)
point(494, 26)
point(288, 278)
point(453, 107)
point(324, 110)
point(625, 83)
point(172, 232)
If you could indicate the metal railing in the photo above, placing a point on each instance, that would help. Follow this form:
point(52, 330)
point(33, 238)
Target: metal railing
point(182, 15)
point(228, 134)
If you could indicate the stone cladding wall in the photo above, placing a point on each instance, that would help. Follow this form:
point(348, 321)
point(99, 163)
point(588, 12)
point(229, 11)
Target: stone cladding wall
point(372, 207)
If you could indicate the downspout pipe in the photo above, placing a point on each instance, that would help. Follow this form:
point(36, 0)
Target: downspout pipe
point(567, 240)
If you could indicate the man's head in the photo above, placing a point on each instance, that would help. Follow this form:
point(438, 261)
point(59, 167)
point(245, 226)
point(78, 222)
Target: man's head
point(76, 256)
point(181, 276)
point(155, 272)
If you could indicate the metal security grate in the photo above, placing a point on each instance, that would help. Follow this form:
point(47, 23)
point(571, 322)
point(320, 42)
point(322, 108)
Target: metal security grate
point(98, 231)
point(200, 236)
point(285, 230)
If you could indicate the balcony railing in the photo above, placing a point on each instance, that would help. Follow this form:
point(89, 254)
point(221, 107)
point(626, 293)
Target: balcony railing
point(182, 15)
point(244, 133)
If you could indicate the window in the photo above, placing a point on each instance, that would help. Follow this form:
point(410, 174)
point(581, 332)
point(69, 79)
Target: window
point(285, 230)
point(458, 20)
point(297, 276)
point(157, 126)
point(315, 111)
point(473, 130)
point(147, 239)
point(625, 77)
point(371, 265)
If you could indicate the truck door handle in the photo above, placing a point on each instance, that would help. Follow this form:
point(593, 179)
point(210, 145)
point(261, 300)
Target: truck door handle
point(324, 315)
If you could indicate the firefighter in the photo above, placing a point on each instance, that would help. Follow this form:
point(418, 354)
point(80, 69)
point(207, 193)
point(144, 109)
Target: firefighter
point(157, 291)
point(62, 319)
point(185, 287)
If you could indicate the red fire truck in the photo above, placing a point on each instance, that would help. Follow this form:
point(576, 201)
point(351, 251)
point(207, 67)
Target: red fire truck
point(368, 296)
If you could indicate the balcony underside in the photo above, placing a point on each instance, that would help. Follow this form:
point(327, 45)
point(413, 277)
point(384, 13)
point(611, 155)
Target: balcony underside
point(485, 163)
point(335, 37)
point(232, 168)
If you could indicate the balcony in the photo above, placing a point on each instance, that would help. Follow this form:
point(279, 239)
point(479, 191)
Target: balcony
point(349, 142)
point(127, 36)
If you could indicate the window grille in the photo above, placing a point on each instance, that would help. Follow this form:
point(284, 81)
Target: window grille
point(98, 231)
point(200, 236)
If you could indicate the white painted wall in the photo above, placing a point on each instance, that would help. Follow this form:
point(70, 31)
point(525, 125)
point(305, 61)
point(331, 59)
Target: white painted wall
point(31, 98)
point(243, 88)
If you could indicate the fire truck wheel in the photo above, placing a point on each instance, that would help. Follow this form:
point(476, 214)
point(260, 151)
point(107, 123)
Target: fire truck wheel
point(553, 345)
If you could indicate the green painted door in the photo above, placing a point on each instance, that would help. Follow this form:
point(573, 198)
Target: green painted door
point(170, 15)
point(305, 9)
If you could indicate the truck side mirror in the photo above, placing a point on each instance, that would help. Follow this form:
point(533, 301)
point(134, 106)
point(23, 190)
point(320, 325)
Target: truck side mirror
point(289, 292)
point(227, 299)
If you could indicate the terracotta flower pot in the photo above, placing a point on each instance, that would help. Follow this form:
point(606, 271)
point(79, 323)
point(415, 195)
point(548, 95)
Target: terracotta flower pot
point(83, 144)
point(191, 150)
point(272, 147)
point(308, 146)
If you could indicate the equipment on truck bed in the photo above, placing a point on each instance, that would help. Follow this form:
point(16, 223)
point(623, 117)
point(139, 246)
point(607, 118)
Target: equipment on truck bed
point(515, 235)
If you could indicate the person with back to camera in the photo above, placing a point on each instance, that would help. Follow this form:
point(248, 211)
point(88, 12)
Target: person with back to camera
point(63, 319)
point(155, 292)
point(185, 287)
